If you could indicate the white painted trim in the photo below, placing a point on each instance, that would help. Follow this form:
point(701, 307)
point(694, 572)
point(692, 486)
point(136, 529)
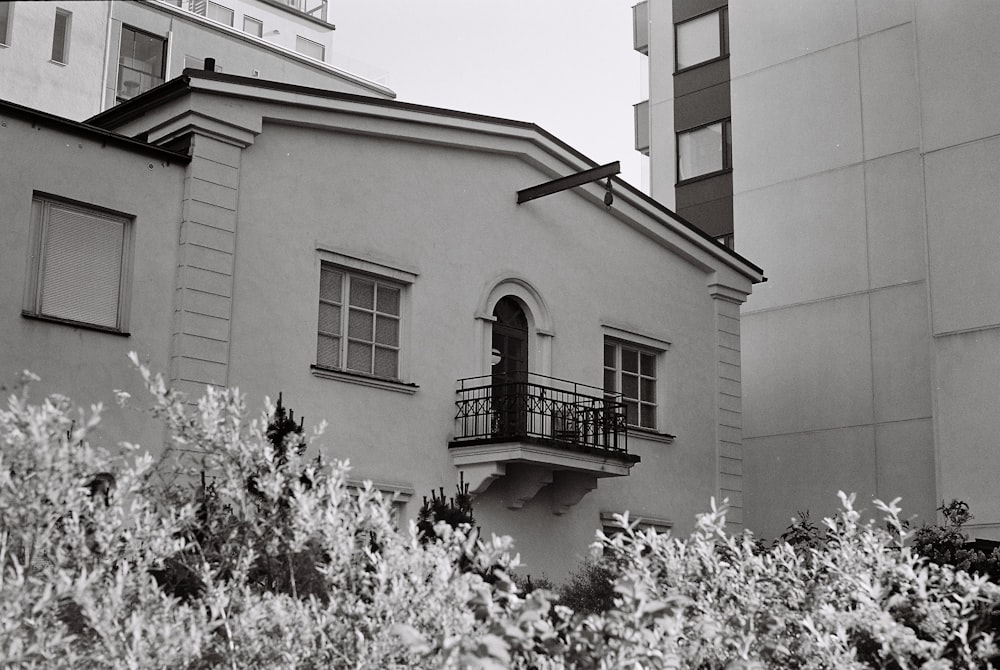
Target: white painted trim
point(628, 335)
point(521, 452)
point(380, 268)
point(364, 380)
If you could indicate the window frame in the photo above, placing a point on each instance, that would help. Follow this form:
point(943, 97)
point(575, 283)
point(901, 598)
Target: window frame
point(723, 25)
point(322, 47)
point(41, 205)
point(232, 14)
point(618, 393)
point(63, 48)
point(163, 59)
point(349, 275)
point(727, 151)
point(260, 26)
point(6, 37)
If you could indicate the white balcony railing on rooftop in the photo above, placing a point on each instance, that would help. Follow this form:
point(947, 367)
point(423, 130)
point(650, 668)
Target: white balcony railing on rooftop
point(316, 9)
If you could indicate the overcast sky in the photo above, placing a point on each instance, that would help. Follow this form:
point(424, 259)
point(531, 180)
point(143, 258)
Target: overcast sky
point(566, 65)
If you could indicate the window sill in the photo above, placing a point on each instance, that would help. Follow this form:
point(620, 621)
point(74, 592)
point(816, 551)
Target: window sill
point(75, 324)
point(56, 62)
point(702, 177)
point(701, 64)
point(363, 380)
point(651, 435)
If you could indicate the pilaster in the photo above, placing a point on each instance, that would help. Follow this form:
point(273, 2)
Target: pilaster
point(206, 263)
point(729, 406)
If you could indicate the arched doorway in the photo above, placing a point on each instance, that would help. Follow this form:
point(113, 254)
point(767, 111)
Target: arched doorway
point(509, 371)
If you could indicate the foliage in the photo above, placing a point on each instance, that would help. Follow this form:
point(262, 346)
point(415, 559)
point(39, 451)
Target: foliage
point(590, 588)
point(342, 588)
point(456, 511)
point(802, 534)
point(949, 544)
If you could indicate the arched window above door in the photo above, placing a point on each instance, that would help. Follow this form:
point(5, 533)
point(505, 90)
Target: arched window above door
point(514, 303)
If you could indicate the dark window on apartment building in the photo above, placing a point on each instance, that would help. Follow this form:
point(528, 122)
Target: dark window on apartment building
point(704, 150)
point(6, 14)
point(60, 36)
point(141, 61)
point(702, 39)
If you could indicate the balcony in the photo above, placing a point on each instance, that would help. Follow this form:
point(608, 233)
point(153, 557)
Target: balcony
point(640, 111)
point(640, 27)
point(315, 10)
point(538, 432)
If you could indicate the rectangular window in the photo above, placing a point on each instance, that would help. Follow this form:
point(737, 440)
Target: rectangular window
point(79, 264)
point(60, 36)
point(141, 61)
point(630, 370)
point(701, 39)
point(309, 48)
point(219, 13)
point(704, 150)
point(252, 26)
point(359, 323)
point(6, 14)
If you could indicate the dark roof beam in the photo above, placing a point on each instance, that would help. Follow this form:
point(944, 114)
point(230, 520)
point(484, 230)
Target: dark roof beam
point(563, 183)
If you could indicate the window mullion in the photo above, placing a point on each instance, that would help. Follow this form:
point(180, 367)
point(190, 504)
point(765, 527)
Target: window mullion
point(345, 317)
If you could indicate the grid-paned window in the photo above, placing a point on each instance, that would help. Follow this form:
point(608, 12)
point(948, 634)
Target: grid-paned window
point(704, 150)
point(630, 373)
point(5, 21)
point(252, 26)
point(141, 61)
point(359, 323)
point(701, 39)
point(78, 265)
point(60, 36)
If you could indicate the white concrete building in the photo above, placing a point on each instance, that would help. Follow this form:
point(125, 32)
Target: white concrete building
point(370, 260)
point(863, 160)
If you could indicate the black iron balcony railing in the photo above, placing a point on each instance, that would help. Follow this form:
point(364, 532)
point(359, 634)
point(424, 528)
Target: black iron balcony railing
point(528, 406)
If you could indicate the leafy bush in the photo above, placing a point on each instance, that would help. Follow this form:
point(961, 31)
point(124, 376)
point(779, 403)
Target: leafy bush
point(949, 544)
point(78, 586)
point(590, 588)
point(299, 571)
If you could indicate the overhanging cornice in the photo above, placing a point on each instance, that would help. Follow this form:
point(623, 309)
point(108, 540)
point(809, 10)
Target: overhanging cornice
point(347, 112)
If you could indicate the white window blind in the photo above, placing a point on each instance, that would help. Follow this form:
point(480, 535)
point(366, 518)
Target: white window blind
point(77, 265)
point(82, 267)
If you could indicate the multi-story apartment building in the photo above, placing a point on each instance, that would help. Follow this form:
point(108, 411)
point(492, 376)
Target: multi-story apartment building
point(387, 268)
point(75, 59)
point(864, 156)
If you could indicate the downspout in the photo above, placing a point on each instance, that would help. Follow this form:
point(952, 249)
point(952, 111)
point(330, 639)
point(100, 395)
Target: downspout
point(107, 61)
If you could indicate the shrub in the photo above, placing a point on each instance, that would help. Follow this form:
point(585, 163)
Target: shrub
point(590, 588)
point(77, 586)
point(342, 588)
point(949, 544)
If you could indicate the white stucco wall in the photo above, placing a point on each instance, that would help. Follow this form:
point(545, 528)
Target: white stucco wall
point(29, 76)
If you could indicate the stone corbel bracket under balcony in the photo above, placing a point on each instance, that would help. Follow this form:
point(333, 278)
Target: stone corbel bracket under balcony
point(531, 466)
